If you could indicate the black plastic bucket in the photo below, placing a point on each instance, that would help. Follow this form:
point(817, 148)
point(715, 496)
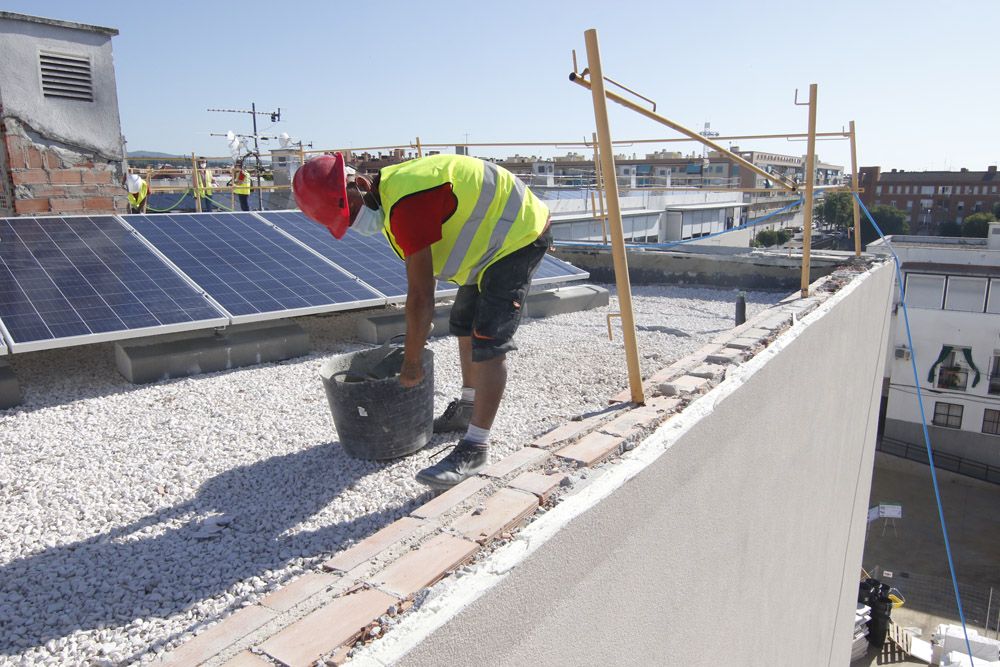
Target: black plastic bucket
point(376, 417)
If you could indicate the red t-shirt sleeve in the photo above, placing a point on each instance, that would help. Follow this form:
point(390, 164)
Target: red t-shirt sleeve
point(415, 220)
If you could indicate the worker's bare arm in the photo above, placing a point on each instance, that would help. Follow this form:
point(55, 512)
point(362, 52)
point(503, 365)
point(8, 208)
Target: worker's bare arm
point(419, 314)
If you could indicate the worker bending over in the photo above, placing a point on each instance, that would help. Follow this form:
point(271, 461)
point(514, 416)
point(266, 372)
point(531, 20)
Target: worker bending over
point(454, 218)
point(138, 193)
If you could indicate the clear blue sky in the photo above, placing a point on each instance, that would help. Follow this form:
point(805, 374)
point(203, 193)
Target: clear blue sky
point(919, 78)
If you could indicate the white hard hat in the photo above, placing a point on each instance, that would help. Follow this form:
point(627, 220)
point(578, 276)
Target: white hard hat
point(133, 183)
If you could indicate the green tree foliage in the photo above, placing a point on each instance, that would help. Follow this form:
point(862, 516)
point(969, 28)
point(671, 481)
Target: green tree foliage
point(949, 229)
point(996, 210)
point(889, 219)
point(770, 237)
point(977, 225)
point(836, 209)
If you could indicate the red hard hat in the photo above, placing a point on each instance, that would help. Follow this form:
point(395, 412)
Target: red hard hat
point(320, 187)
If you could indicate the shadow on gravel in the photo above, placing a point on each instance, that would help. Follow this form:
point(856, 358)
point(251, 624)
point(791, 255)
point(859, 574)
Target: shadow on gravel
point(141, 571)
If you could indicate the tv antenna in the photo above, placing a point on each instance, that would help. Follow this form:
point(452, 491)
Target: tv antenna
point(275, 118)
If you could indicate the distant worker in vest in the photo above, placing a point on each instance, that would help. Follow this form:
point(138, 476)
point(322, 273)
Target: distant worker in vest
point(240, 181)
point(458, 219)
point(204, 189)
point(138, 193)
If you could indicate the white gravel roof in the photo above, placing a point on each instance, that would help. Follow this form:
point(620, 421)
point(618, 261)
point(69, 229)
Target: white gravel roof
point(134, 514)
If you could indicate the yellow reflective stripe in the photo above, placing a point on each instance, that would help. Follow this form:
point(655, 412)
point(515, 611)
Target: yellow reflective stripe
point(500, 231)
point(468, 233)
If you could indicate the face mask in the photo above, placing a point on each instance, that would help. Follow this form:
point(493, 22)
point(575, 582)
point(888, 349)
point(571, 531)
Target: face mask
point(368, 221)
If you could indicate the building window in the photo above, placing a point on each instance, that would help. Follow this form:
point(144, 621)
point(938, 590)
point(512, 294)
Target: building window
point(924, 291)
point(892, 203)
point(878, 189)
point(954, 364)
point(968, 294)
point(909, 204)
point(994, 387)
point(65, 76)
point(948, 415)
point(991, 421)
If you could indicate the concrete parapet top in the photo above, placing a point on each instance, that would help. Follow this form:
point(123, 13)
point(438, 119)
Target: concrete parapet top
point(72, 25)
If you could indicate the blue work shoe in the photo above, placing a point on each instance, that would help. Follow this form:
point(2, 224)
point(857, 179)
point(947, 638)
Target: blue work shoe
point(464, 461)
point(455, 417)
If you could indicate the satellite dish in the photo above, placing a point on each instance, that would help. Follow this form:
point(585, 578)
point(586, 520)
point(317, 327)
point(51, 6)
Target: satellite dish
point(230, 135)
point(284, 140)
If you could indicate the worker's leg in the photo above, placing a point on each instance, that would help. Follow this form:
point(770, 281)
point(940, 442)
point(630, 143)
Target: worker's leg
point(463, 312)
point(497, 313)
point(465, 359)
point(489, 378)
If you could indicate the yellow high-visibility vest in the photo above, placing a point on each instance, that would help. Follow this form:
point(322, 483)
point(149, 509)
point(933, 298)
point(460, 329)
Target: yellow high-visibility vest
point(205, 179)
point(135, 200)
point(241, 182)
point(496, 213)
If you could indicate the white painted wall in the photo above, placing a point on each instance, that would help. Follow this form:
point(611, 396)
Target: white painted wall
point(91, 125)
point(741, 544)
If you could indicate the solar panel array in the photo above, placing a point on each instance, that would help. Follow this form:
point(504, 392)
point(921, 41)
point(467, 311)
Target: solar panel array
point(250, 268)
point(82, 279)
point(88, 279)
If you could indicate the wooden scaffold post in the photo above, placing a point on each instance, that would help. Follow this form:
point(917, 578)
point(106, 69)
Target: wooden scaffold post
point(607, 158)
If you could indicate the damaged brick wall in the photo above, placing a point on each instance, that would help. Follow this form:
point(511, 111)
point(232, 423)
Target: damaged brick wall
point(49, 177)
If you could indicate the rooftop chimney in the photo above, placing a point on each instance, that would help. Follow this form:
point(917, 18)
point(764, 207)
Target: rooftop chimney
point(964, 170)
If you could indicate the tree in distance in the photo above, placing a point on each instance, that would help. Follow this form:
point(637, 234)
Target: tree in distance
point(890, 220)
point(977, 225)
point(836, 209)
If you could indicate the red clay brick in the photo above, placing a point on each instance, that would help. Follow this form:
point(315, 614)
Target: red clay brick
point(248, 659)
point(52, 160)
point(330, 626)
point(67, 176)
point(34, 158)
point(299, 590)
point(663, 403)
point(574, 429)
point(503, 510)
point(97, 176)
point(450, 498)
point(632, 421)
point(13, 141)
point(537, 483)
point(425, 565)
point(65, 205)
point(218, 637)
point(29, 177)
point(31, 206)
point(373, 545)
point(99, 203)
point(591, 449)
point(522, 458)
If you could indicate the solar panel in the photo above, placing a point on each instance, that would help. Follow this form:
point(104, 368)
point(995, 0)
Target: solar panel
point(82, 279)
point(553, 270)
point(370, 258)
point(254, 271)
point(376, 263)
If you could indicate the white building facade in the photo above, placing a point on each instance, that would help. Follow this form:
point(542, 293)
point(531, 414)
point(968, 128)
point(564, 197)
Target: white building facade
point(953, 302)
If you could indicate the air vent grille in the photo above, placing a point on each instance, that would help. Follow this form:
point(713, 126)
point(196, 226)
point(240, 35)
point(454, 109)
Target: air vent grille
point(66, 76)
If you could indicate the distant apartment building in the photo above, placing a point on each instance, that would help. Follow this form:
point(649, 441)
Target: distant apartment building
point(62, 150)
point(952, 288)
point(931, 197)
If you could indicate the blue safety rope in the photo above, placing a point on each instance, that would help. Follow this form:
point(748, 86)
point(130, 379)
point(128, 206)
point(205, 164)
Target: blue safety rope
point(660, 246)
point(923, 423)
